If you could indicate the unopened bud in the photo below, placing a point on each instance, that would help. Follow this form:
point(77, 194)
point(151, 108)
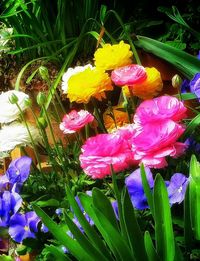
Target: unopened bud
point(42, 123)
point(44, 73)
point(13, 99)
point(41, 98)
point(28, 102)
point(176, 81)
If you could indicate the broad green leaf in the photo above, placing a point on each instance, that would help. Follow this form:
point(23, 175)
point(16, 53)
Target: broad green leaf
point(101, 202)
point(47, 203)
point(147, 189)
point(150, 249)
point(83, 241)
point(187, 64)
point(58, 253)
point(89, 231)
point(165, 243)
point(87, 204)
point(134, 233)
point(177, 44)
point(194, 195)
point(116, 238)
point(62, 237)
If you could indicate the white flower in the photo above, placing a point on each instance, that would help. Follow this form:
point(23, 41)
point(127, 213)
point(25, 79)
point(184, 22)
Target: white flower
point(72, 71)
point(16, 134)
point(8, 111)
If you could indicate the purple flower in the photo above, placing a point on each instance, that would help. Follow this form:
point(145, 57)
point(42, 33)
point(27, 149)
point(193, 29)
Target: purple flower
point(23, 226)
point(10, 202)
point(19, 169)
point(177, 188)
point(195, 85)
point(185, 86)
point(134, 185)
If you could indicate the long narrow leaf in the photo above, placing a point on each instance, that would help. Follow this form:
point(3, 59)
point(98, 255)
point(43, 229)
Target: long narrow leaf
point(187, 64)
point(58, 254)
point(151, 252)
point(165, 243)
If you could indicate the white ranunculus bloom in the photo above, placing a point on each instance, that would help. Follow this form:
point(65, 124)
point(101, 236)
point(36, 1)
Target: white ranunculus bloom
point(8, 111)
point(70, 72)
point(16, 134)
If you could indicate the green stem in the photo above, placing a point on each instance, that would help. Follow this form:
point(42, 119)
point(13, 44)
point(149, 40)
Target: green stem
point(98, 117)
point(30, 135)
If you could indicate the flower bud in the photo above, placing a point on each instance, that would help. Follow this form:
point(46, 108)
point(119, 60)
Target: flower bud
point(42, 123)
point(176, 81)
point(41, 98)
point(43, 71)
point(13, 99)
point(28, 102)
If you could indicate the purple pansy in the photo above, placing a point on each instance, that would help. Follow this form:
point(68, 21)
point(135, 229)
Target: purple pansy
point(176, 188)
point(19, 169)
point(23, 226)
point(195, 85)
point(134, 185)
point(10, 202)
point(185, 86)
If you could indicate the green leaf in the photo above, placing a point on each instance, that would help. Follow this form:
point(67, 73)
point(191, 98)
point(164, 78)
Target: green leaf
point(48, 203)
point(147, 189)
point(177, 44)
point(193, 124)
point(165, 243)
point(60, 234)
point(115, 237)
point(89, 231)
point(87, 204)
point(101, 202)
point(83, 241)
point(187, 221)
point(58, 253)
point(150, 249)
point(194, 195)
point(134, 233)
point(103, 10)
point(187, 64)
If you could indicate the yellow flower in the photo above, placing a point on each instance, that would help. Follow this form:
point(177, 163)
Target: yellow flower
point(115, 118)
point(91, 82)
point(113, 56)
point(148, 88)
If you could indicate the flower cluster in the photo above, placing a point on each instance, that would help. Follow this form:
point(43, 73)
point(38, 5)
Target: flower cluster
point(20, 225)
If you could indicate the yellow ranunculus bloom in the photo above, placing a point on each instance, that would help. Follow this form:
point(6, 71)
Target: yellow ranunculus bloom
point(115, 118)
point(110, 57)
point(149, 88)
point(91, 82)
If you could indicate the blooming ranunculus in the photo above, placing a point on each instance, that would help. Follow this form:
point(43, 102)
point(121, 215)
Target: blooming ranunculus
point(16, 134)
point(110, 57)
point(160, 108)
point(128, 75)
point(152, 142)
point(23, 226)
point(150, 87)
point(75, 120)
point(9, 112)
point(72, 71)
point(115, 118)
point(91, 82)
point(99, 152)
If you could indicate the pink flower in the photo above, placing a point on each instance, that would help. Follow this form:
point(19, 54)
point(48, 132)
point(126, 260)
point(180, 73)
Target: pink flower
point(161, 108)
point(75, 120)
point(99, 152)
point(129, 75)
point(154, 141)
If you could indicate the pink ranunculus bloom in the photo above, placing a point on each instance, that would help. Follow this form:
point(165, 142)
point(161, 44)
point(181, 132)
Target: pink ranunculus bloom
point(160, 108)
point(99, 152)
point(128, 75)
point(154, 141)
point(75, 120)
